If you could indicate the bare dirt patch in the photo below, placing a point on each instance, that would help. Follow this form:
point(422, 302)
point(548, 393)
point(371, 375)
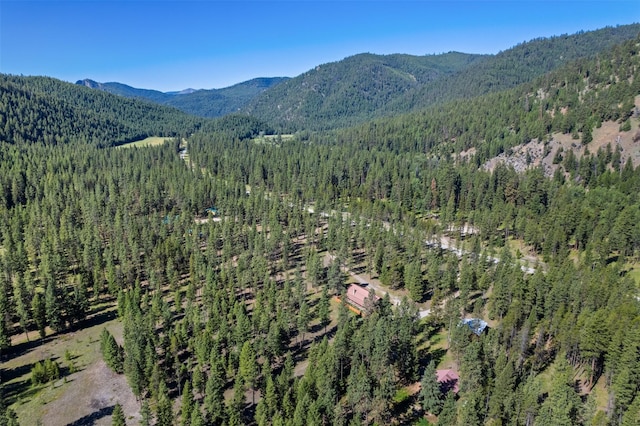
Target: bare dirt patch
point(87, 390)
point(90, 399)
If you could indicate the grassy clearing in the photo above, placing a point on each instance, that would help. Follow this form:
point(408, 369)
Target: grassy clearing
point(150, 141)
point(273, 139)
point(78, 354)
point(601, 394)
point(545, 378)
point(634, 272)
point(517, 247)
point(438, 344)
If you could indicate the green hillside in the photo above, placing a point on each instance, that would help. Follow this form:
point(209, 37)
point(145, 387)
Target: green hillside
point(127, 91)
point(352, 90)
point(362, 87)
point(520, 64)
point(219, 102)
point(573, 99)
point(46, 110)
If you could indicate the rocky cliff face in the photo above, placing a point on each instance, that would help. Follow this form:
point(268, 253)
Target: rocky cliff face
point(90, 83)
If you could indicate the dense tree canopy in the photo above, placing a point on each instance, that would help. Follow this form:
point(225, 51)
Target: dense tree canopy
point(223, 263)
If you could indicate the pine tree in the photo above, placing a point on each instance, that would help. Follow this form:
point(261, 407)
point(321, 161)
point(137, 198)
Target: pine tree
point(631, 417)
point(248, 367)
point(198, 379)
point(196, 416)
point(430, 393)
point(117, 416)
point(413, 281)
point(303, 321)
point(335, 277)
point(20, 298)
point(214, 397)
point(562, 405)
point(448, 415)
point(39, 314)
point(187, 404)
point(359, 390)
point(145, 413)
point(324, 309)
point(501, 397)
point(5, 338)
point(236, 405)
point(314, 268)
point(53, 307)
point(111, 352)
point(164, 410)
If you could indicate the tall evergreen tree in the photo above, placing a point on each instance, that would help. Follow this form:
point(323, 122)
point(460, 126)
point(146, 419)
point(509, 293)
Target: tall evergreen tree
point(430, 393)
point(249, 367)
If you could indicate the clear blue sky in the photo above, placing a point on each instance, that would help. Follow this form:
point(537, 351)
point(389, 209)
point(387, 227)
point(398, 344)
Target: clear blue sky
point(171, 45)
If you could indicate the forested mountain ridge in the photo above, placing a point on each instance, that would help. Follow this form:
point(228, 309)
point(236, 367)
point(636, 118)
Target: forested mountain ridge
point(574, 99)
point(126, 91)
point(203, 103)
point(520, 64)
point(365, 86)
point(354, 89)
point(49, 111)
point(44, 110)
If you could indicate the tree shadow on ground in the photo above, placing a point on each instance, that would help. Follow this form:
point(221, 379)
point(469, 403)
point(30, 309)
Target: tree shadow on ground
point(100, 316)
point(406, 411)
point(20, 390)
point(23, 390)
point(90, 419)
point(435, 355)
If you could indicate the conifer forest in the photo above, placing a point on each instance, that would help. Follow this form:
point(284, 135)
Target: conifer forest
point(211, 274)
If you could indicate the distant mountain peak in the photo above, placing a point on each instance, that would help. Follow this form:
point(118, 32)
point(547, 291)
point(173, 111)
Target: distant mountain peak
point(90, 83)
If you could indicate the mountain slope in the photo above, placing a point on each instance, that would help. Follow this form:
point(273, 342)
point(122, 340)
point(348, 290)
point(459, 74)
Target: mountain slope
point(573, 100)
point(354, 89)
point(219, 102)
point(127, 91)
point(365, 86)
point(520, 64)
point(50, 111)
point(203, 103)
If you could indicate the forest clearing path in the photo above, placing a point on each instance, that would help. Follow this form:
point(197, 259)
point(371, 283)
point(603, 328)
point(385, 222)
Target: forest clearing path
point(450, 244)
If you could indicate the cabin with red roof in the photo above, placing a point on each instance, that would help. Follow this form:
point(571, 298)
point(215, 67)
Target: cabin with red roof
point(448, 380)
point(356, 296)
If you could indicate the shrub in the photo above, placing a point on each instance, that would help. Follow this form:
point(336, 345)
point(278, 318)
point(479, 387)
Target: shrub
point(44, 372)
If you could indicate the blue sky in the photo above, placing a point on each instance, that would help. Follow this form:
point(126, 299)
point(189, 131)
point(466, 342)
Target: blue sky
point(171, 45)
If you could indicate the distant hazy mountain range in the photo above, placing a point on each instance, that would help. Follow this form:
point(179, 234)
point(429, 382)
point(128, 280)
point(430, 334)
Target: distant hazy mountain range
point(367, 86)
point(204, 103)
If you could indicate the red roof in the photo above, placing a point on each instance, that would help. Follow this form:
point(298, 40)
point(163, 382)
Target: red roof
point(448, 380)
point(357, 295)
